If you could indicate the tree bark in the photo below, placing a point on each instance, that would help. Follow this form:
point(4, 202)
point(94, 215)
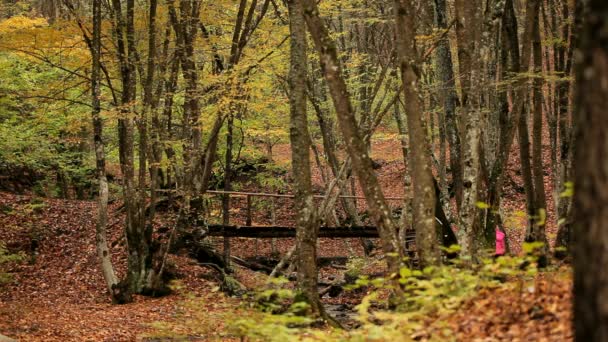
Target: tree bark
point(531, 164)
point(185, 26)
point(450, 98)
point(468, 34)
point(227, 187)
point(103, 252)
point(307, 224)
point(406, 220)
point(538, 227)
point(422, 178)
point(566, 146)
point(141, 277)
point(445, 70)
point(591, 179)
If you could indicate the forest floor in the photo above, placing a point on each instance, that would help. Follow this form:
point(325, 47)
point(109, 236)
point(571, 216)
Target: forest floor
point(57, 292)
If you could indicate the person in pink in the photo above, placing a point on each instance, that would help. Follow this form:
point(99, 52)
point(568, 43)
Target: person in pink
point(500, 243)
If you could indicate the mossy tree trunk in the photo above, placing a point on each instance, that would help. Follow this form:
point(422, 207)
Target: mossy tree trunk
point(307, 223)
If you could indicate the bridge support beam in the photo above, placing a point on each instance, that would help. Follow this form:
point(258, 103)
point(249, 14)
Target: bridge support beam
point(266, 232)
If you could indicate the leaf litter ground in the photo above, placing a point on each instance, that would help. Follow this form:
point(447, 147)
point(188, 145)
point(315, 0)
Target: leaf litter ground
point(58, 294)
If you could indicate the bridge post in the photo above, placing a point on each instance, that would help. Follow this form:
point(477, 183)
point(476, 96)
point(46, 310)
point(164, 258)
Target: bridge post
point(226, 222)
point(248, 219)
point(273, 219)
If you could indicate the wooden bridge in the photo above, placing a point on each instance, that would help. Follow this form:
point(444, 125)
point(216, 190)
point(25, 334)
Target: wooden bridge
point(265, 232)
point(250, 230)
point(230, 228)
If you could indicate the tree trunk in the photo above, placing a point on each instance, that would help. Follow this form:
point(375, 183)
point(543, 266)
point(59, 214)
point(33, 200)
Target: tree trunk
point(422, 178)
point(564, 206)
point(185, 27)
point(591, 174)
point(449, 126)
point(468, 33)
point(450, 99)
point(526, 171)
point(140, 271)
point(538, 227)
point(103, 252)
point(406, 219)
point(227, 187)
point(493, 171)
point(307, 224)
point(50, 9)
point(534, 208)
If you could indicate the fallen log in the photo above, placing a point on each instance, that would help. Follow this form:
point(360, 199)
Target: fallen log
point(252, 265)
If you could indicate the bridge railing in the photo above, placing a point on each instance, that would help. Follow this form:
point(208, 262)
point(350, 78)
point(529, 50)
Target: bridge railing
point(249, 196)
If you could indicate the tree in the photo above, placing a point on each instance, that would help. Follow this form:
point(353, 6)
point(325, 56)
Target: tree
point(103, 252)
point(537, 232)
point(307, 223)
point(566, 127)
point(591, 172)
point(422, 178)
point(445, 73)
point(468, 33)
point(142, 276)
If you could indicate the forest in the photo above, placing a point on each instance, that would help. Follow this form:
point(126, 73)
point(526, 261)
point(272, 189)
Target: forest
point(303, 170)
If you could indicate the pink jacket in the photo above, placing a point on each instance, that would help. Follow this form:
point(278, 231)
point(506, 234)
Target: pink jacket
point(500, 242)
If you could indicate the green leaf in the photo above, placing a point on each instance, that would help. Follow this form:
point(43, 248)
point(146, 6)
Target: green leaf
point(568, 190)
point(482, 205)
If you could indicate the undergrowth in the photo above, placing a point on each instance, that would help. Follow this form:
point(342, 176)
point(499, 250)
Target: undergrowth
point(429, 296)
